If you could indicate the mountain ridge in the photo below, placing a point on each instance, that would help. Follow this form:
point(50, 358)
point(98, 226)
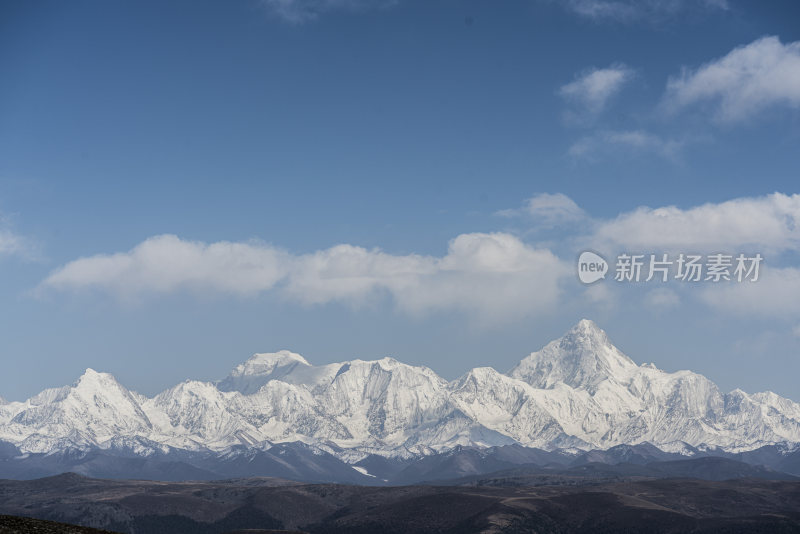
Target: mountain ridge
point(578, 391)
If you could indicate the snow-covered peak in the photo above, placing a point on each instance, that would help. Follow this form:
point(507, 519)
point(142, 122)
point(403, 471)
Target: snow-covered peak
point(265, 363)
point(577, 391)
point(482, 372)
point(587, 327)
point(586, 335)
point(358, 374)
point(192, 388)
point(92, 379)
point(93, 386)
point(479, 378)
point(387, 364)
point(100, 390)
point(582, 358)
point(251, 375)
point(94, 409)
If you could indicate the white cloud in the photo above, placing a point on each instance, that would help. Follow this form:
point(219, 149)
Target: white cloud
point(796, 330)
point(661, 298)
point(761, 224)
point(491, 276)
point(593, 88)
point(350, 273)
point(602, 296)
point(166, 263)
point(769, 225)
point(548, 209)
point(299, 11)
point(14, 244)
point(635, 10)
point(629, 141)
point(10, 243)
point(773, 295)
point(747, 80)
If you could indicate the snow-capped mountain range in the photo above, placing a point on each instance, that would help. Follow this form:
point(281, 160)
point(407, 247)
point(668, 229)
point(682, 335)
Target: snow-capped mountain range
point(577, 392)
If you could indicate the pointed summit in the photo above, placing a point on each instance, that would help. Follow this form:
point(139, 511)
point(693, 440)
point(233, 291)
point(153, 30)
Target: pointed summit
point(93, 410)
point(582, 358)
point(586, 335)
point(93, 387)
point(587, 327)
point(93, 379)
point(91, 374)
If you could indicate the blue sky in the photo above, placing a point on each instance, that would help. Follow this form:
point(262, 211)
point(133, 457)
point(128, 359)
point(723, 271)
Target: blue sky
point(354, 179)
